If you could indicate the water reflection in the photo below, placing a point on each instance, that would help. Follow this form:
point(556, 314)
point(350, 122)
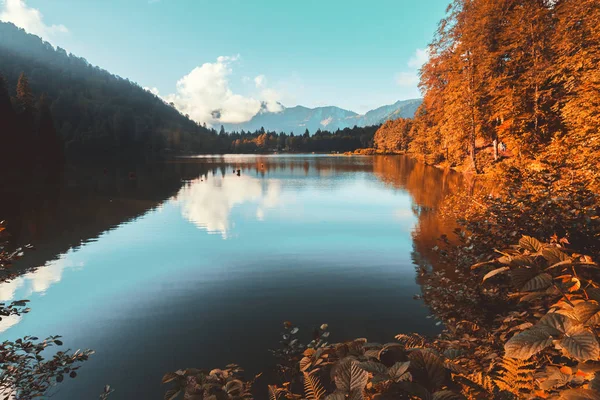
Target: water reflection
point(35, 281)
point(138, 269)
point(207, 202)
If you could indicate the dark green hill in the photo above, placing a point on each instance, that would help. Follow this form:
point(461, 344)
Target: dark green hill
point(94, 111)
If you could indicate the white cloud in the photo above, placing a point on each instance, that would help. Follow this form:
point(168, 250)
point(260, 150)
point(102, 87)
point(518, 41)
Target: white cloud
point(260, 81)
point(409, 78)
point(205, 95)
point(420, 57)
point(30, 19)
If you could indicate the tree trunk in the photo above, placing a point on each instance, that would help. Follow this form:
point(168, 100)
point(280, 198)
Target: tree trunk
point(495, 148)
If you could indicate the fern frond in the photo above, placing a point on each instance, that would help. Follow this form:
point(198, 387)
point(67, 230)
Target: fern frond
point(516, 376)
point(312, 387)
point(411, 341)
point(273, 393)
point(477, 385)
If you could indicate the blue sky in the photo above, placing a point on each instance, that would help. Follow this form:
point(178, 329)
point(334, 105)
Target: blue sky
point(354, 54)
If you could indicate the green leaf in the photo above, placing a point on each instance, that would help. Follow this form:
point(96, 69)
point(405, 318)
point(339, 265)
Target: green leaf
point(595, 383)
point(554, 255)
point(520, 276)
point(531, 244)
point(373, 367)
point(431, 364)
point(541, 281)
point(588, 313)
point(169, 376)
point(398, 371)
point(234, 387)
point(172, 394)
point(555, 378)
point(336, 396)
point(527, 343)
point(349, 376)
point(447, 395)
point(593, 294)
point(556, 324)
point(356, 395)
point(521, 261)
point(495, 272)
point(581, 343)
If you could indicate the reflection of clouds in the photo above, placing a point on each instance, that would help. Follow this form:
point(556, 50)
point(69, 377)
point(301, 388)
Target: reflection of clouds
point(208, 203)
point(36, 281)
point(9, 322)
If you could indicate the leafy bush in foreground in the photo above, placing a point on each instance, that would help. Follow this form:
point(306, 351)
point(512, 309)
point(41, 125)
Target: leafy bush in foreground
point(24, 372)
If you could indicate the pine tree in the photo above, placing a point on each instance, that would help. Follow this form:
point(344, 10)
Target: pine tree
point(8, 134)
point(49, 143)
point(25, 97)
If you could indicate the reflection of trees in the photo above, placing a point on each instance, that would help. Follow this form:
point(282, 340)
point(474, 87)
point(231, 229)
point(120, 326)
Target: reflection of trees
point(427, 186)
point(72, 207)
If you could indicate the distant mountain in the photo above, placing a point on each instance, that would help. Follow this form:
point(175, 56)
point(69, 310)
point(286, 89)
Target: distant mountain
point(298, 119)
point(400, 109)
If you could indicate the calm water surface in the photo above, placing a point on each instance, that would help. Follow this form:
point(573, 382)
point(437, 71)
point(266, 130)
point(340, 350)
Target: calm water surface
point(165, 266)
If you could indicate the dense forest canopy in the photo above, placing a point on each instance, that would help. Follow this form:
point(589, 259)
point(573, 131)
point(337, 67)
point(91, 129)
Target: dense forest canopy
point(519, 75)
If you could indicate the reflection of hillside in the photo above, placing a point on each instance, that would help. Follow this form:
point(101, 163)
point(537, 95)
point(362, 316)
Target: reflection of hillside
point(81, 203)
point(428, 186)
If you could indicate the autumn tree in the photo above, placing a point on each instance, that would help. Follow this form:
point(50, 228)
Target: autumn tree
point(393, 136)
point(576, 73)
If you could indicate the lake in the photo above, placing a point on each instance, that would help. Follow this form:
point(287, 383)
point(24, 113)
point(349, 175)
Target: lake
point(162, 266)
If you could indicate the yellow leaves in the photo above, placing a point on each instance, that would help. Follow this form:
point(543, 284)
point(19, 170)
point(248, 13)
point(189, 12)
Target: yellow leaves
point(566, 370)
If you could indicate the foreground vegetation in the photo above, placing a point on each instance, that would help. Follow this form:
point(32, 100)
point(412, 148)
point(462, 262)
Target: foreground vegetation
point(25, 372)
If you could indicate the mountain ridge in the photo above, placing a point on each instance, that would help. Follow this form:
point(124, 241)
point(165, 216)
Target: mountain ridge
point(299, 118)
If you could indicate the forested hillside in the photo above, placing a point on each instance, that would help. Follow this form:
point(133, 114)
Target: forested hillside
point(518, 75)
point(94, 111)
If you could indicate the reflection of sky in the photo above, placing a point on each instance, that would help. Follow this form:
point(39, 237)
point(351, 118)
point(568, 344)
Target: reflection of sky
point(208, 203)
point(34, 282)
point(338, 244)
